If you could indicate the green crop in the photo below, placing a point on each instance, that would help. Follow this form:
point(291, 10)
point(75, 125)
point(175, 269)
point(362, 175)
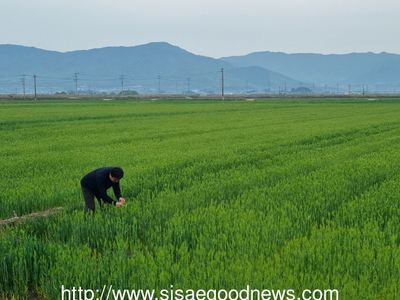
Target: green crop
point(278, 194)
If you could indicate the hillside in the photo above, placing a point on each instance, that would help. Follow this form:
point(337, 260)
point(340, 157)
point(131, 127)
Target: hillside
point(150, 68)
point(354, 69)
point(163, 68)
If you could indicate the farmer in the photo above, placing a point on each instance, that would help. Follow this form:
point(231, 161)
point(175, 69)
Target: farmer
point(96, 184)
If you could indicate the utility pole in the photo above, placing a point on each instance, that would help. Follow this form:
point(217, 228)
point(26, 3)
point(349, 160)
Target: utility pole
point(159, 84)
point(188, 79)
point(34, 83)
point(23, 83)
point(222, 84)
point(121, 78)
point(76, 82)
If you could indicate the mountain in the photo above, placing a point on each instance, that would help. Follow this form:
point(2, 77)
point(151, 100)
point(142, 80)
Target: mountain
point(163, 68)
point(355, 69)
point(151, 68)
point(257, 79)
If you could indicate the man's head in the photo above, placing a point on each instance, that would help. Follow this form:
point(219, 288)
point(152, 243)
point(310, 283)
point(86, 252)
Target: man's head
point(116, 174)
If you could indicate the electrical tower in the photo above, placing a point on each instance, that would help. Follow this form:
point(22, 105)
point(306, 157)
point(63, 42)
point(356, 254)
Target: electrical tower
point(34, 83)
point(23, 83)
point(159, 84)
point(76, 82)
point(222, 84)
point(121, 78)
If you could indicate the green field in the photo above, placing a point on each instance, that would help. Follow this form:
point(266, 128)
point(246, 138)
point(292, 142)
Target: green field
point(287, 194)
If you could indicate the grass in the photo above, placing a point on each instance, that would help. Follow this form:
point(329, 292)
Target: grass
point(279, 194)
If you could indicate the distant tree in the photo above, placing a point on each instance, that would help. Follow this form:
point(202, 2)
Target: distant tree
point(128, 93)
point(301, 90)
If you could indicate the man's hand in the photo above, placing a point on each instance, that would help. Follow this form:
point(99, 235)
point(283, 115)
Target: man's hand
point(121, 202)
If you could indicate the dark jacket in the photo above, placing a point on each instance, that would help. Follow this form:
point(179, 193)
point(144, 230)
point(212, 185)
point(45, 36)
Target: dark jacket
point(99, 182)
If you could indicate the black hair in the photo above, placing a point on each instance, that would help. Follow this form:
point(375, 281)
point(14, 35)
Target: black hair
point(117, 173)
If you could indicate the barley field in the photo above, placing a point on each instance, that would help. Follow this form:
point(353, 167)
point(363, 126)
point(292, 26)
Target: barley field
point(275, 194)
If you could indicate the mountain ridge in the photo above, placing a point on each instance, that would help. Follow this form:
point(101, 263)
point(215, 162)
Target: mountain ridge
point(332, 69)
point(160, 67)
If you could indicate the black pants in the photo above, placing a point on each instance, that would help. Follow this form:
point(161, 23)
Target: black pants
point(89, 196)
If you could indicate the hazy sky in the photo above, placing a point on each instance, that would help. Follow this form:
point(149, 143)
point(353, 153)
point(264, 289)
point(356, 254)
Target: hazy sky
point(212, 28)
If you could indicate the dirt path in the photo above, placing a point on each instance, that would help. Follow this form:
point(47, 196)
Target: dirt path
point(31, 216)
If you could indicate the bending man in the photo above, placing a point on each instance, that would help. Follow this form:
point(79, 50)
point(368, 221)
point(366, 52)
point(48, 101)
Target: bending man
point(96, 184)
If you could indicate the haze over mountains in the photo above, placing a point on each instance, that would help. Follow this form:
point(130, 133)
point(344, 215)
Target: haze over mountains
point(357, 69)
point(163, 68)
